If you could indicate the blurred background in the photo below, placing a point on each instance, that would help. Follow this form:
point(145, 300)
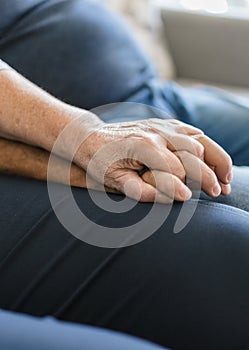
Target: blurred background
point(194, 41)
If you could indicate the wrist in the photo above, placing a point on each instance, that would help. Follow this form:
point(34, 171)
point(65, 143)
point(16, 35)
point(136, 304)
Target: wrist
point(80, 124)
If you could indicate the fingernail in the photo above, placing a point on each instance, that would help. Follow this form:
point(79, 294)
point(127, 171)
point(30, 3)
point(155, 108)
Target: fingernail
point(229, 177)
point(216, 190)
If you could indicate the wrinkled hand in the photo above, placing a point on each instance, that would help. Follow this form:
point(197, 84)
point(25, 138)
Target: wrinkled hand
point(150, 160)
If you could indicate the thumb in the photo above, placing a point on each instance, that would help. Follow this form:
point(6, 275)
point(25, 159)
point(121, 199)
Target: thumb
point(133, 186)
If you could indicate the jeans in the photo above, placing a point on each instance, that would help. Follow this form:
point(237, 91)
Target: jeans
point(186, 291)
point(46, 333)
point(182, 291)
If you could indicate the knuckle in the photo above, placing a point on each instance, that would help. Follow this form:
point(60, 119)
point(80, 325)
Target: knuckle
point(201, 137)
point(200, 150)
point(182, 130)
point(197, 131)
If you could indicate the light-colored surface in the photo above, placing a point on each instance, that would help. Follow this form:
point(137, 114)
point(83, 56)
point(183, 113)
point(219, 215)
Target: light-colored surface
point(144, 18)
point(239, 91)
point(208, 47)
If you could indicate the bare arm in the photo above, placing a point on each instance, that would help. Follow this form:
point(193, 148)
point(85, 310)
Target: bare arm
point(17, 158)
point(31, 116)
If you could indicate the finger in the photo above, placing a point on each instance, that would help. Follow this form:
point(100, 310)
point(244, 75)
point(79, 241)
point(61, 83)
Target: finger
point(179, 127)
point(134, 187)
point(157, 158)
point(198, 171)
point(185, 143)
point(217, 157)
point(167, 184)
point(225, 189)
point(189, 130)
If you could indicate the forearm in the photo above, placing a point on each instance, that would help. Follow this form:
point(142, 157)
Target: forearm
point(20, 159)
point(114, 154)
point(32, 116)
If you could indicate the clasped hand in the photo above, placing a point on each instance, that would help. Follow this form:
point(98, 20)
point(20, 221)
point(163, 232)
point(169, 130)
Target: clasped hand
point(154, 160)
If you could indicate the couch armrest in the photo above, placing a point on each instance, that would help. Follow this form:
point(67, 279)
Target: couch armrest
point(207, 47)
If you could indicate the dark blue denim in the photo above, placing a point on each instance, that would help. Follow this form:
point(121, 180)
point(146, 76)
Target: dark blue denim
point(186, 291)
point(22, 332)
point(182, 291)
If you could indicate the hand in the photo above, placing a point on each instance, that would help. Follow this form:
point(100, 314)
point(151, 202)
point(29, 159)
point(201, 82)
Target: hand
point(163, 152)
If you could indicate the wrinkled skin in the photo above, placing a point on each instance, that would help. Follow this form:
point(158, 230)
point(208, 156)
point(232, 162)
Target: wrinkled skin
point(150, 160)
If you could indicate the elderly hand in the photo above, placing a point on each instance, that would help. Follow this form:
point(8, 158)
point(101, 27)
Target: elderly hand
point(150, 160)
point(147, 160)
